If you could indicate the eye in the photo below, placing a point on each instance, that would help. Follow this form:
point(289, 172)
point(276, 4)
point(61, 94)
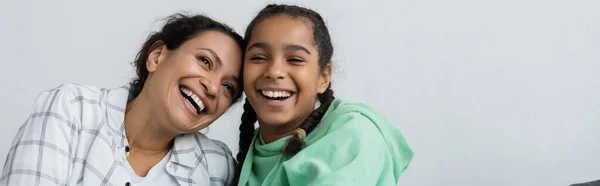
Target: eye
point(258, 58)
point(295, 59)
point(205, 61)
point(229, 88)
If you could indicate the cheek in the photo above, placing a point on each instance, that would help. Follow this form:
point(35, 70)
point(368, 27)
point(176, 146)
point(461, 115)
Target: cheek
point(224, 104)
point(307, 80)
point(184, 65)
point(247, 84)
point(251, 74)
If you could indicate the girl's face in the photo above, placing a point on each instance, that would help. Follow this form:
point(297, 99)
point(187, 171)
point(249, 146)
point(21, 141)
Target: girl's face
point(281, 72)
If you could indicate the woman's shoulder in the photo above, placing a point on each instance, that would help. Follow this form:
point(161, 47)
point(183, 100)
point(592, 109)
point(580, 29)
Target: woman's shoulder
point(75, 89)
point(70, 94)
point(211, 149)
point(214, 156)
point(82, 103)
point(66, 98)
point(202, 141)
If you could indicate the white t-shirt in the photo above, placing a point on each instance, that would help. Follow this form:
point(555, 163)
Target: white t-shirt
point(157, 175)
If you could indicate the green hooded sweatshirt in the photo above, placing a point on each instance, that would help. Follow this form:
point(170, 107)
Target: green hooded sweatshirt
point(352, 145)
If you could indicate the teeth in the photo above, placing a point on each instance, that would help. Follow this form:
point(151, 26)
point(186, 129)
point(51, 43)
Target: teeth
point(276, 94)
point(194, 97)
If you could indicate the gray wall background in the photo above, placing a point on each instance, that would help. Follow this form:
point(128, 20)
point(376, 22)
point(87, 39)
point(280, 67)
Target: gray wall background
point(487, 92)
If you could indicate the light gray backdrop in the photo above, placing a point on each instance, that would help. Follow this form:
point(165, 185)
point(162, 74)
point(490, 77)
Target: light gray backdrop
point(487, 92)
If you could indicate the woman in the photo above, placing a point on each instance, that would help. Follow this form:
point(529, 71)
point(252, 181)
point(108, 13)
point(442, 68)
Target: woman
point(287, 71)
point(144, 134)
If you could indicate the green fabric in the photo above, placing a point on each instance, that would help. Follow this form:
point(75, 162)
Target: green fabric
point(353, 145)
point(266, 156)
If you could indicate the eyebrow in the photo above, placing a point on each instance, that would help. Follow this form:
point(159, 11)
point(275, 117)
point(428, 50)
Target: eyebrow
point(296, 47)
point(214, 55)
point(259, 45)
point(286, 47)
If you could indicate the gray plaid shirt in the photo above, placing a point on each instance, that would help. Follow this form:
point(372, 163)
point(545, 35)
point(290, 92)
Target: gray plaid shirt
point(75, 136)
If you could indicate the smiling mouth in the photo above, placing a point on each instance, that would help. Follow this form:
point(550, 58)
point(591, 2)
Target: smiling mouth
point(193, 99)
point(276, 95)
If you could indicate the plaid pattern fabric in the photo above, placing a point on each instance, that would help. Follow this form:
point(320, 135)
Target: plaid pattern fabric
point(75, 136)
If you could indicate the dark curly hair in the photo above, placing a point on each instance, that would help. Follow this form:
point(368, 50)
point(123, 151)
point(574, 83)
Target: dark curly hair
point(178, 29)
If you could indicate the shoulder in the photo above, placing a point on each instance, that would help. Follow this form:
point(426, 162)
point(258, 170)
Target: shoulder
point(344, 107)
point(349, 124)
point(210, 145)
point(81, 104)
point(219, 161)
point(348, 115)
point(214, 150)
point(75, 89)
point(65, 99)
point(69, 94)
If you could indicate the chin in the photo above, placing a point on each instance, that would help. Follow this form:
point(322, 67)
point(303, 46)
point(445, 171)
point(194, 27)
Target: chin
point(180, 122)
point(274, 122)
point(188, 128)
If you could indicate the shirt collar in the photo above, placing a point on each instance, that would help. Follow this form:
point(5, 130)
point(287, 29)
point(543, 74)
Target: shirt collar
point(185, 148)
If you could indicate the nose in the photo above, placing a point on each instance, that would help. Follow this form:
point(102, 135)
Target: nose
point(275, 70)
point(211, 87)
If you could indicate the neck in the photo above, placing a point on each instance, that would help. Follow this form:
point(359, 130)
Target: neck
point(144, 133)
point(273, 132)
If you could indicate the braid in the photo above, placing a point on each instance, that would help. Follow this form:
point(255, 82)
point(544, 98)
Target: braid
point(246, 131)
point(322, 41)
point(296, 142)
point(246, 135)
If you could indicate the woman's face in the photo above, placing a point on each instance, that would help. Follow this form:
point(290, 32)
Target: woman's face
point(190, 87)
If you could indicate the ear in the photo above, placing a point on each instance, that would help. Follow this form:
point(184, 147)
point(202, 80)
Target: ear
point(156, 55)
point(325, 79)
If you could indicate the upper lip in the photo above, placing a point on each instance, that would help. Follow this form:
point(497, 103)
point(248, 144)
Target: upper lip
point(200, 96)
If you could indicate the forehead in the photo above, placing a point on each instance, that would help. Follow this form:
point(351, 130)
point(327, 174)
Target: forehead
point(214, 40)
point(283, 29)
point(223, 45)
